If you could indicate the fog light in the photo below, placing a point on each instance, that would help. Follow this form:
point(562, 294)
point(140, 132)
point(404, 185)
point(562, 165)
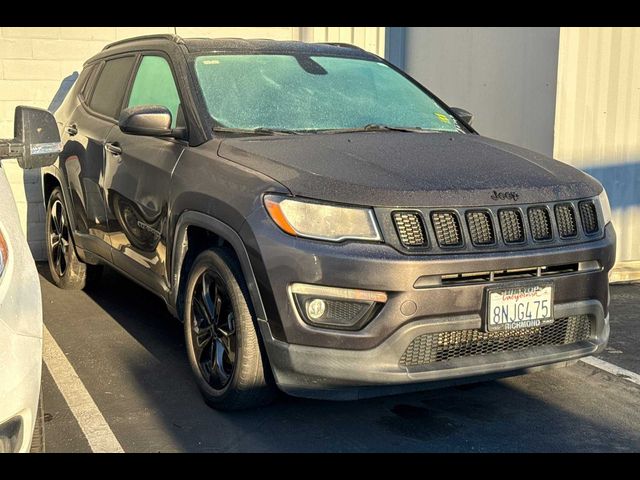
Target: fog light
point(332, 307)
point(316, 308)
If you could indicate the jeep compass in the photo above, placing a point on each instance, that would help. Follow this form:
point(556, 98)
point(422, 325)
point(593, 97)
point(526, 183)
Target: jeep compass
point(321, 222)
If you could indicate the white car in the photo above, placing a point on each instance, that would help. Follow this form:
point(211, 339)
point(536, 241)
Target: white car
point(21, 417)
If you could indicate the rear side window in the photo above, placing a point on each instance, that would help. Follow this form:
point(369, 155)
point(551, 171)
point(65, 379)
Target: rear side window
point(111, 85)
point(154, 85)
point(89, 75)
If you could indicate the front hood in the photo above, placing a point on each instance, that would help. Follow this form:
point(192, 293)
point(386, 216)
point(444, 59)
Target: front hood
point(408, 169)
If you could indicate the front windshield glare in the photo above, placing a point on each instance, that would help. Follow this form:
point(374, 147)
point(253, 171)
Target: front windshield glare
point(302, 92)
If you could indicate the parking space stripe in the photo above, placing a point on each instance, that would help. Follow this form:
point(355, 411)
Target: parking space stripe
point(93, 424)
point(613, 369)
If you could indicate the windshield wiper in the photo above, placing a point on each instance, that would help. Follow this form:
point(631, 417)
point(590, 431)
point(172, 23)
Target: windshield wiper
point(372, 127)
point(375, 127)
point(259, 130)
point(282, 131)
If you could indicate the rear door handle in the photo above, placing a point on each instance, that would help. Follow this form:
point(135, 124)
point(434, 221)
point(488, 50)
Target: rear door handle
point(71, 130)
point(113, 148)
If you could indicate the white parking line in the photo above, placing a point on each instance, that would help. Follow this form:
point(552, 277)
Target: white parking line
point(613, 369)
point(95, 428)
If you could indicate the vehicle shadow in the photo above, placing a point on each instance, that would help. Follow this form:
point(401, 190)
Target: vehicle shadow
point(160, 408)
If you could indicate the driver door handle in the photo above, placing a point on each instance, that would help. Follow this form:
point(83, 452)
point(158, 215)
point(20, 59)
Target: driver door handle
point(113, 148)
point(72, 130)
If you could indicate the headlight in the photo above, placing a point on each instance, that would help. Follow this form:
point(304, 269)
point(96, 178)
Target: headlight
point(605, 206)
point(4, 254)
point(322, 221)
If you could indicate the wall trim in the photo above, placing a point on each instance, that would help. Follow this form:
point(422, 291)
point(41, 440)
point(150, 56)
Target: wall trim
point(394, 45)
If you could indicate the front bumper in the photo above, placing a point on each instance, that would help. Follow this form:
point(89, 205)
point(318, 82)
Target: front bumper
point(337, 374)
point(318, 362)
point(21, 360)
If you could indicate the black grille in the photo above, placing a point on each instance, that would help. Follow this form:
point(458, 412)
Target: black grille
point(410, 229)
point(511, 226)
point(480, 228)
point(439, 230)
point(344, 312)
point(589, 217)
point(566, 220)
point(540, 223)
point(440, 347)
point(447, 229)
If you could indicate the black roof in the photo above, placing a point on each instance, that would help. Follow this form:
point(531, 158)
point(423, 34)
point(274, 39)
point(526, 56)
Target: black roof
point(270, 46)
point(240, 45)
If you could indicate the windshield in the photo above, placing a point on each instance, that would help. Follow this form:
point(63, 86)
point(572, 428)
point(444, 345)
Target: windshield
point(303, 92)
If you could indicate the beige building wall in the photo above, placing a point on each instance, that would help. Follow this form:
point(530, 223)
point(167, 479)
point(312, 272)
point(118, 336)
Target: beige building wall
point(34, 60)
point(369, 38)
point(505, 76)
point(597, 123)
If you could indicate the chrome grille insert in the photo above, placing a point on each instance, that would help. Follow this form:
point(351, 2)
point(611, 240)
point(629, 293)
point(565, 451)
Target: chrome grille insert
point(566, 220)
point(480, 227)
point(540, 223)
point(410, 229)
point(447, 228)
point(589, 217)
point(511, 225)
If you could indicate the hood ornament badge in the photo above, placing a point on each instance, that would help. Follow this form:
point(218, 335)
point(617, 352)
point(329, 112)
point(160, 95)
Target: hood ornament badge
point(505, 196)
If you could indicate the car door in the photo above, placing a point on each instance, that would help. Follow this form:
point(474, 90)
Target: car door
point(137, 179)
point(82, 158)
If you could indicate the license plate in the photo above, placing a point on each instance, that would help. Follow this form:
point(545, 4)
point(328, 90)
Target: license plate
point(519, 306)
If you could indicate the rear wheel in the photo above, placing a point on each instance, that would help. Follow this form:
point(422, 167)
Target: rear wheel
point(220, 335)
point(67, 270)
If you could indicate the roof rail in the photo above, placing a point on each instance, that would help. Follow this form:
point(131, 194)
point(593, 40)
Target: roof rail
point(159, 36)
point(343, 45)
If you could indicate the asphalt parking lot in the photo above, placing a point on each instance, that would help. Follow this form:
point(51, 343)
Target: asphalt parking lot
point(135, 393)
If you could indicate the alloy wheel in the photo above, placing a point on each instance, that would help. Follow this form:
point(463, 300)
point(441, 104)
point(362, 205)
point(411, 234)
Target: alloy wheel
point(213, 330)
point(59, 238)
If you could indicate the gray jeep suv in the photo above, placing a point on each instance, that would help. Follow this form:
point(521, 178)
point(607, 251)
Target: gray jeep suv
point(320, 221)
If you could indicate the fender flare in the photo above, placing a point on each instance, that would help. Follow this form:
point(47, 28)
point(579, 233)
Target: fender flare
point(194, 218)
point(61, 178)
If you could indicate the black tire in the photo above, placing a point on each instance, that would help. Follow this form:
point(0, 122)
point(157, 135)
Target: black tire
point(67, 270)
point(37, 441)
point(220, 335)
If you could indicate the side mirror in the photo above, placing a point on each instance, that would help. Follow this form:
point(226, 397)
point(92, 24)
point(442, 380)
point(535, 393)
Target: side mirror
point(36, 141)
point(147, 120)
point(463, 114)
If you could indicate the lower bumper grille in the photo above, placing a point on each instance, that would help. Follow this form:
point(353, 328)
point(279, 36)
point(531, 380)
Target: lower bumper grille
point(440, 347)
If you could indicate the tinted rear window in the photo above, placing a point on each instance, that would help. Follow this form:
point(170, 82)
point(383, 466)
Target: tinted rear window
point(111, 85)
point(87, 77)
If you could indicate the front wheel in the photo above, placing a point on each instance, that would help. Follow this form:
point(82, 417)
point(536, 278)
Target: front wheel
point(220, 336)
point(67, 270)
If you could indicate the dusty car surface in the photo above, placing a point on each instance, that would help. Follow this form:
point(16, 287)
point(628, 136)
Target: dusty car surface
point(20, 331)
point(36, 144)
point(321, 222)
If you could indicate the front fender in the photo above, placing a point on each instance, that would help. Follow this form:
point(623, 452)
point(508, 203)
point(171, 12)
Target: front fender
point(224, 231)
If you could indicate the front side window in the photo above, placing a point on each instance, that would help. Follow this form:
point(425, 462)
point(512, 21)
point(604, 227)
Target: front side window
point(154, 85)
point(308, 92)
point(111, 86)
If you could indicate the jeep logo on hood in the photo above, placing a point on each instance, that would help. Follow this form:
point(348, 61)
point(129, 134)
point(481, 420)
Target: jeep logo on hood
point(504, 196)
